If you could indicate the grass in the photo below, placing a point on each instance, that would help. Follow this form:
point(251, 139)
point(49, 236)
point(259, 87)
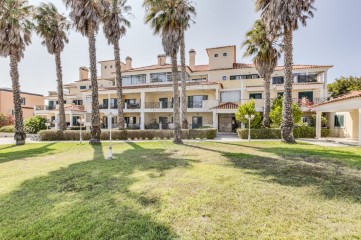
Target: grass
point(203, 190)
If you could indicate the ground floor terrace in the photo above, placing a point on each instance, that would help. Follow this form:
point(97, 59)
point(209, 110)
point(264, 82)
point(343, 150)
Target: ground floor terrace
point(343, 116)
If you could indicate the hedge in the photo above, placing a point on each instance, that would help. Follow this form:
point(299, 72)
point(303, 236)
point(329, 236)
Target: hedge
point(70, 135)
point(275, 133)
point(8, 129)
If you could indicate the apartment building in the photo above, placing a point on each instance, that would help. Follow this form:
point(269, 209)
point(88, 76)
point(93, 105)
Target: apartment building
point(28, 101)
point(215, 90)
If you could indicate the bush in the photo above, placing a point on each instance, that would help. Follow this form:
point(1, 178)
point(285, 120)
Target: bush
point(250, 109)
point(275, 133)
point(77, 128)
point(276, 113)
point(70, 135)
point(8, 129)
point(35, 124)
point(6, 120)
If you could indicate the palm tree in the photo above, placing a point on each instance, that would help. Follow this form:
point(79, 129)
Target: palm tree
point(15, 35)
point(86, 16)
point(164, 16)
point(115, 26)
point(52, 28)
point(186, 12)
point(265, 57)
point(283, 17)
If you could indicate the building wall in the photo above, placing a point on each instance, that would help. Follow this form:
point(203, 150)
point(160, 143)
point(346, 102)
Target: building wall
point(350, 129)
point(7, 105)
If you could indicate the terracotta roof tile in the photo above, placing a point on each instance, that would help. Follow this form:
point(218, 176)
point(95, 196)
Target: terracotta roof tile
point(354, 94)
point(228, 105)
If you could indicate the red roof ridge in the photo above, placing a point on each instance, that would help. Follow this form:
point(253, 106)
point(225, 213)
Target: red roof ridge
point(350, 95)
point(227, 105)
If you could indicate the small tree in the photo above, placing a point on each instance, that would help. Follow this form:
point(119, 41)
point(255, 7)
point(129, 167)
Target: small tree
point(313, 121)
point(276, 113)
point(35, 124)
point(249, 109)
point(6, 120)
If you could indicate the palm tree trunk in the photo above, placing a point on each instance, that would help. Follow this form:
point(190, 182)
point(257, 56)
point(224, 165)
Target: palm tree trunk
point(20, 135)
point(95, 121)
point(118, 72)
point(59, 76)
point(267, 102)
point(287, 114)
point(184, 83)
point(177, 126)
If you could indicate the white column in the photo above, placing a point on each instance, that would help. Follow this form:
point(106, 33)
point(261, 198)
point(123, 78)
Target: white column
point(109, 102)
point(142, 100)
point(56, 121)
point(142, 120)
point(215, 119)
point(71, 119)
point(318, 124)
point(359, 126)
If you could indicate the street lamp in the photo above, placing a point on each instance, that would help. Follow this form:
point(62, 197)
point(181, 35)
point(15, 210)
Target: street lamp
point(249, 125)
point(81, 122)
point(110, 152)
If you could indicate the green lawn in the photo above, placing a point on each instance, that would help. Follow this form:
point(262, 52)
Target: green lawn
point(203, 190)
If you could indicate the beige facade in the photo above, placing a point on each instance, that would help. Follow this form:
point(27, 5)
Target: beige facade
point(148, 91)
point(29, 100)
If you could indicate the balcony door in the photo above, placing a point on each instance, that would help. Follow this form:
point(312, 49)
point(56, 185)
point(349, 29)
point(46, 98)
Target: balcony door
point(163, 102)
point(197, 122)
point(307, 95)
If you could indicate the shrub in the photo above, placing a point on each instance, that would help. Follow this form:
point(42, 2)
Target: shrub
point(7, 129)
point(250, 109)
point(276, 113)
point(6, 120)
point(77, 128)
point(275, 133)
point(313, 121)
point(35, 124)
point(70, 135)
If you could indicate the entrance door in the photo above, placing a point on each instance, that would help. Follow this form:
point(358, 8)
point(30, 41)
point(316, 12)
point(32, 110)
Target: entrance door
point(105, 122)
point(197, 122)
point(225, 123)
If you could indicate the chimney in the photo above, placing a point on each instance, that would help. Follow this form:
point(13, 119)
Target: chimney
point(83, 73)
point(161, 59)
point(128, 63)
point(192, 58)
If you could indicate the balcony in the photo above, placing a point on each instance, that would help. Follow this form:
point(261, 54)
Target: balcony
point(115, 106)
point(44, 108)
point(205, 104)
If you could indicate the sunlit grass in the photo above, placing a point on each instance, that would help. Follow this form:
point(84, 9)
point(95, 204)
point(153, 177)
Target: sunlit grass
point(158, 190)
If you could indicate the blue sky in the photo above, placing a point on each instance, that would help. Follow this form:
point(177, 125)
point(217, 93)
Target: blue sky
point(331, 37)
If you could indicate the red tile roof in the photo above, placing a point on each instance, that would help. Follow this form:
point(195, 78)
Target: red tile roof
point(228, 105)
point(354, 94)
point(204, 68)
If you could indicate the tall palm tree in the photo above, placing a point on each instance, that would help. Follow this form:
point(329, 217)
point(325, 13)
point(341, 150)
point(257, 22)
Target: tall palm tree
point(187, 11)
point(284, 17)
point(15, 35)
point(164, 18)
point(86, 16)
point(52, 28)
point(115, 26)
point(265, 57)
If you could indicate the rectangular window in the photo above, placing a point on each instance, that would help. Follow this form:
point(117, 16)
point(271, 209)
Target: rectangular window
point(134, 79)
point(306, 78)
point(82, 87)
point(165, 77)
point(339, 121)
point(280, 94)
point(78, 102)
point(248, 76)
point(196, 101)
point(23, 101)
point(231, 96)
point(255, 96)
point(278, 80)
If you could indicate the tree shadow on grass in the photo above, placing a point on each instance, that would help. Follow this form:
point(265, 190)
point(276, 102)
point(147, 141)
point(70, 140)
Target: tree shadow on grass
point(26, 153)
point(332, 179)
point(90, 200)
